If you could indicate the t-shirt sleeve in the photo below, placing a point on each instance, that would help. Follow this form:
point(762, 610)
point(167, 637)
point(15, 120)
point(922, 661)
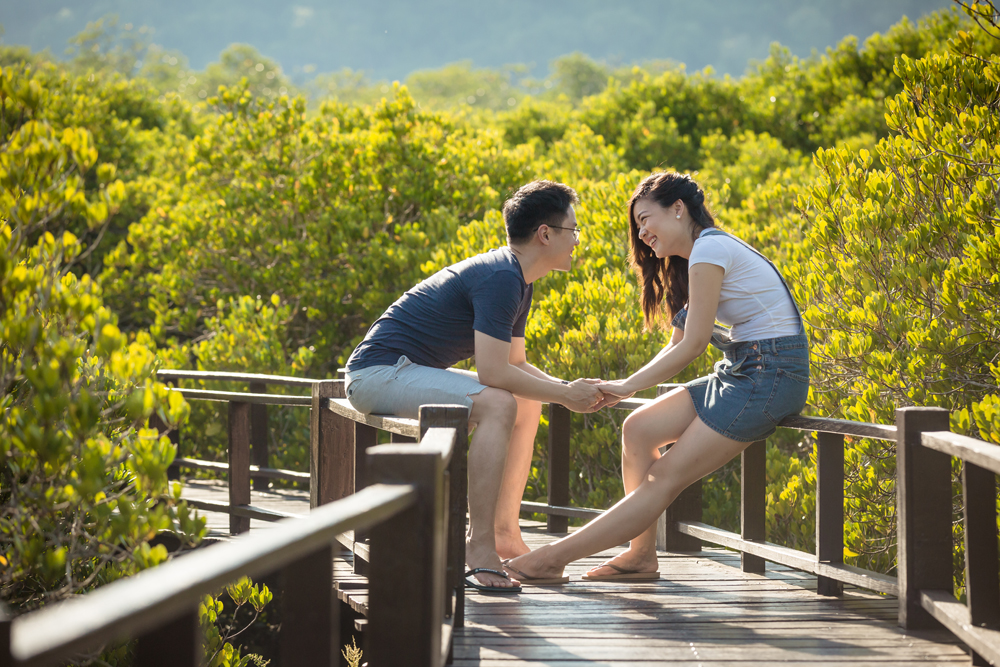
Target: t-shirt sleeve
point(496, 303)
point(522, 316)
point(711, 250)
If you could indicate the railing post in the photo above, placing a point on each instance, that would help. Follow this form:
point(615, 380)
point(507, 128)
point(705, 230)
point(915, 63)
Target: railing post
point(686, 507)
point(176, 644)
point(753, 501)
point(559, 432)
point(457, 497)
point(331, 447)
point(982, 583)
point(239, 464)
point(405, 605)
point(365, 436)
point(923, 511)
point(829, 508)
point(310, 627)
point(6, 659)
point(258, 436)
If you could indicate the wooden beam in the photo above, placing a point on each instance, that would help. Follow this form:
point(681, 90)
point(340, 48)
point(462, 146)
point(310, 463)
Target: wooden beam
point(167, 374)
point(331, 448)
point(258, 436)
point(457, 493)
point(400, 425)
point(982, 454)
point(242, 397)
point(177, 643)
point(753, 502)
point(800, 560)
point(923, 514)
point(830, 508)
point(310, 625)
point(982, 585)
point(560, 421)
point(137, 604)
point(239, 464)
point(405, 601)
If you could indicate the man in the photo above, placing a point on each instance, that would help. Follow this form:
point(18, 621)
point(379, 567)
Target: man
point(479, 307)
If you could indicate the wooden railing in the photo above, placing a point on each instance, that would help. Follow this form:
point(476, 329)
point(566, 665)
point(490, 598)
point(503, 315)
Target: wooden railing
point(333, 461)
point(341, 435)
point(410, 607)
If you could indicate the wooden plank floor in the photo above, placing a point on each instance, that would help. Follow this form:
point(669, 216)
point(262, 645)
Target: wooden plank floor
point(703, 611)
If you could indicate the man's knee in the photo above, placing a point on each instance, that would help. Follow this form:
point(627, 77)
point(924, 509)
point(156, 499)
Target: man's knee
point(492, 404)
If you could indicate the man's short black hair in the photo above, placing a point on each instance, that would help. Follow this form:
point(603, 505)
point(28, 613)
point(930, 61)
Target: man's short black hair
point(536, 204)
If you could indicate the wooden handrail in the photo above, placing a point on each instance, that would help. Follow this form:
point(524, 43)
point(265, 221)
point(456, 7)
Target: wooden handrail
point(132, 606)
point(170, 374)
point(242, 397)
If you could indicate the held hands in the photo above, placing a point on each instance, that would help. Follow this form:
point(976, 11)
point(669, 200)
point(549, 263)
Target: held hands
point(613, 391)
point(592, 394)
point(584, 396)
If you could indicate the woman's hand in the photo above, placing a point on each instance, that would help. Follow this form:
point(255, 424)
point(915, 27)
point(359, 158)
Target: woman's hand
point(614, 391)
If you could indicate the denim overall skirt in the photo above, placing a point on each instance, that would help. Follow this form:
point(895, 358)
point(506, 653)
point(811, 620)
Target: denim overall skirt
point(757, 383)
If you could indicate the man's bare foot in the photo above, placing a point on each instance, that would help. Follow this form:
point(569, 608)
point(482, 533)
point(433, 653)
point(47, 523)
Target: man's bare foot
point(537, 565)
point(480, 555)
point(510, 545)
point(629, 560)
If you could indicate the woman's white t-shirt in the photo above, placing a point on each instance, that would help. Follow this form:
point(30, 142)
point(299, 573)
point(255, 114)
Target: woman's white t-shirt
point(753, 301)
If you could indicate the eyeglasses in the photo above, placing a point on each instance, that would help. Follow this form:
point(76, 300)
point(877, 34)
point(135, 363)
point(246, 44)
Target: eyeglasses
point(575, 230)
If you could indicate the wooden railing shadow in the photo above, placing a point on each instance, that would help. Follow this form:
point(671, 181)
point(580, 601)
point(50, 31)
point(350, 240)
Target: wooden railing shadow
point(404, 509)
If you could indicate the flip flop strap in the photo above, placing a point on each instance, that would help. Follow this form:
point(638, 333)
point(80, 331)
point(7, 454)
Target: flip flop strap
point(516, 571)
point(477, 570)
point(620, 569)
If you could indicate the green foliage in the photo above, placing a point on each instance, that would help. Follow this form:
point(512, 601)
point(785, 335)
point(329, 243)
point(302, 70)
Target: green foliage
point(83, 485)
point(253, 232)
point(333, 214)
point(219, 625)
point(246, 337)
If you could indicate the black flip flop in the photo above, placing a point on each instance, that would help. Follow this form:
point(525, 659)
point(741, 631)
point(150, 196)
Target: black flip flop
point(489, 589)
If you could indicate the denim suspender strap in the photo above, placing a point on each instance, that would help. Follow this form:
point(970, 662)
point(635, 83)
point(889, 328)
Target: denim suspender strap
point(718, 232)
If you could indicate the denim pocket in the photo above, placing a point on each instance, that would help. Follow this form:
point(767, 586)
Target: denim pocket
point(788, 396)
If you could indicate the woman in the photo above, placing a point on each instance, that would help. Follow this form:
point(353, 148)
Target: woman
point(682, 258)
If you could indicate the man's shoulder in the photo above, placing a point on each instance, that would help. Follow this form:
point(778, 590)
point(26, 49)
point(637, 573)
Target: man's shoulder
point(496, 261)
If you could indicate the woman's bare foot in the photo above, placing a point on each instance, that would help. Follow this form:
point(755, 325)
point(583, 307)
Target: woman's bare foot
point(481, 555)
point(510, 545)
point(537, 565)
point(630, 560)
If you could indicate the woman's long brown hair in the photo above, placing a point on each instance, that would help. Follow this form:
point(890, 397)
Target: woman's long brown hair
point(665, 279)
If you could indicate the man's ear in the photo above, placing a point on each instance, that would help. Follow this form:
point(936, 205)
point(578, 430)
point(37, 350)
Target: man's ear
point(542, 233)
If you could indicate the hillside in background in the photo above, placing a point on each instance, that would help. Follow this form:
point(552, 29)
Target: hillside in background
point(389, 39)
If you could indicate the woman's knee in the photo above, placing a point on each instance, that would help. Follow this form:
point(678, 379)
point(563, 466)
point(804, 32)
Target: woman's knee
point(635, 435)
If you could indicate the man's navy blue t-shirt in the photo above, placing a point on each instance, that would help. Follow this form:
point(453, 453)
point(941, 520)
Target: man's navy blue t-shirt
point(434, 323)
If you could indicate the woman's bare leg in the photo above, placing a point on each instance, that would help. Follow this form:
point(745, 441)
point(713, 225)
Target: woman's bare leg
point(698, 451)
point(647, 429)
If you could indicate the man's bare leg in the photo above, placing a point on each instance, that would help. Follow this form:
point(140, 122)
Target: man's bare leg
point(646, 430)
point(522, 444)
point(494, 412)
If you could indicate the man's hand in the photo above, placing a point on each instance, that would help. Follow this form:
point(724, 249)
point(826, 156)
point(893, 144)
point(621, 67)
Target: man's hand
point(614, 391)
point(583, 395)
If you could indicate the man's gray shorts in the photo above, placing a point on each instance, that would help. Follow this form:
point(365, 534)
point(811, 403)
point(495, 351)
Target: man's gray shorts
point(402, 388)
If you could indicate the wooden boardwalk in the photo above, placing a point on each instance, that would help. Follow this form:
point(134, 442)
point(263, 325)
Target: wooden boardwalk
point(704, 611)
